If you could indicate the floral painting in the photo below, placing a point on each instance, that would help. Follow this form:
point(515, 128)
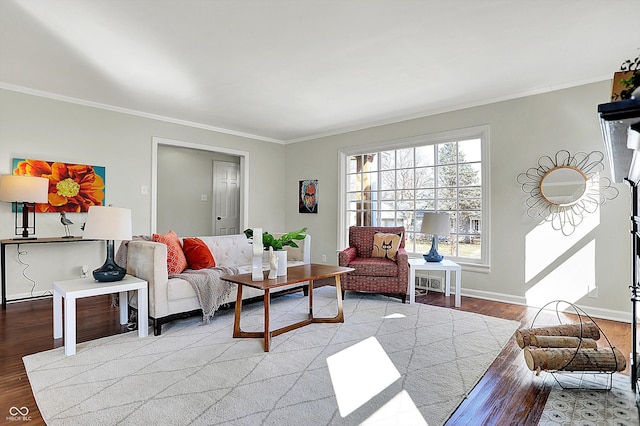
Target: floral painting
point(72, 187)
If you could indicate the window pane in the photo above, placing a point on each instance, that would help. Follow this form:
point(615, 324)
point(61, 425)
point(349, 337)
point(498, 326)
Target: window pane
point(405, 158)
point(425, 155)
point(406, 205)
point(387, 160)
point(388, 180)
point(353, 183)
point(366, 182)
point(470, 192)
point(470, 174)
point(447, 193)
point(470, 204)
point(352, 164)
point(426, 205)
point(387, 205)
point(469, 150)
point(446, 204)
point(447, 176)
point(425, 194)
point(387, 195)
point(405, 179)
point(447, 153)
point(424, 177)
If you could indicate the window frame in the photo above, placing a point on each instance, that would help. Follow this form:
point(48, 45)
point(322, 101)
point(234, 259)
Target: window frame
point(478, 132)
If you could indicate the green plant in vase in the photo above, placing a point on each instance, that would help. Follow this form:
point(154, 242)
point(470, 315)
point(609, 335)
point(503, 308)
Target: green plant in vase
point(288, 239)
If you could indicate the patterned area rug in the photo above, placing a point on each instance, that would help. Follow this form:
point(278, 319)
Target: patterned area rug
point(589, 404)
point(387, 363)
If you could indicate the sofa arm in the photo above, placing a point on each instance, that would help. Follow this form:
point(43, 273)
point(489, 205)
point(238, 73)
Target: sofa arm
point(147, 260)
point(346, 256)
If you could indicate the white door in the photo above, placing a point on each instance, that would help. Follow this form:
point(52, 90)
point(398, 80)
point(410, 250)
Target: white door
point(226, 198)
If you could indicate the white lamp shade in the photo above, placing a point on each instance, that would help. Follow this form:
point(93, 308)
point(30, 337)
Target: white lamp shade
point(107, 223)
point(435, 224)
point(29, 189)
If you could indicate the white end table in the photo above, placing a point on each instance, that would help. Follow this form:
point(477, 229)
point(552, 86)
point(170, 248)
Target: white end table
point(446, 265)
point(85, 287)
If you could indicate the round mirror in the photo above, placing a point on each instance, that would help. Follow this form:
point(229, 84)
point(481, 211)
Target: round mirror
point(563, 185)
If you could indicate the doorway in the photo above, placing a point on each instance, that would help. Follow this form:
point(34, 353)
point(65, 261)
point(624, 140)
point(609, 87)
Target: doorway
point(182, 194)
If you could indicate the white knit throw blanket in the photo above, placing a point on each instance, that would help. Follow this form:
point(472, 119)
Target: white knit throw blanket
point(211, 290)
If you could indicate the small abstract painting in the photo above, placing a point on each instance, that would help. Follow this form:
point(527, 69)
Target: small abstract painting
point(308, 200)
point(72, 187)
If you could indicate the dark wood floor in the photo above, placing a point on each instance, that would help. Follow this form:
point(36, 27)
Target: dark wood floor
point(509, 394)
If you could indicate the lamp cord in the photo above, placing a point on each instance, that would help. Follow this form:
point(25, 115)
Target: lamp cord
point(24, 271)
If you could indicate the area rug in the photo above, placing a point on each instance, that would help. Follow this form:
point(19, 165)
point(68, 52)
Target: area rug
point(581, 399)
point(388, 363)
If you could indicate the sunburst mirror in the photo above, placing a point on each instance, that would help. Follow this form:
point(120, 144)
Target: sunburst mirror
point(565, 187)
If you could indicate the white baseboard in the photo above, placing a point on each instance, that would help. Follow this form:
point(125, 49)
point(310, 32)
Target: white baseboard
point(608, 314)
point(26, 296)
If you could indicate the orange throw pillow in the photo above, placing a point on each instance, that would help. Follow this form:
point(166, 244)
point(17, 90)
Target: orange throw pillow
point(176, 262)
point(197, 253)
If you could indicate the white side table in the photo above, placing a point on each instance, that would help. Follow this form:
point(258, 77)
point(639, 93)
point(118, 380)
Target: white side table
point(85, 287)
point(418, 264)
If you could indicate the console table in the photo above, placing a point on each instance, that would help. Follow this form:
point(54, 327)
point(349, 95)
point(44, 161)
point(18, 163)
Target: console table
point(21, 241)
point(446, 265)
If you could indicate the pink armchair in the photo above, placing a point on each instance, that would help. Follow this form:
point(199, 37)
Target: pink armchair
point(374, 274)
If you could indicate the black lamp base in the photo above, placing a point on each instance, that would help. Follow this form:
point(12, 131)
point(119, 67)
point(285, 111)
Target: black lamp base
point(110, 271)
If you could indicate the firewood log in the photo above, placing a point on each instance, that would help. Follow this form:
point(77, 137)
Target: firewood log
point(569, 359)
point(588, 329)
point(562, 342)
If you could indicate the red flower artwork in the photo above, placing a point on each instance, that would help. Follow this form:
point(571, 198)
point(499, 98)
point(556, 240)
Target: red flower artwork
point(72, 187)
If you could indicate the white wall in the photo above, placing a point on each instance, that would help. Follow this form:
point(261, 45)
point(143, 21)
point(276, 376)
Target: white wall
point(47, 129)
point(529, 263)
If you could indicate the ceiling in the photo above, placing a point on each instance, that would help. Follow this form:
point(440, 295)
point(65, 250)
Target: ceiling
point(291, 70)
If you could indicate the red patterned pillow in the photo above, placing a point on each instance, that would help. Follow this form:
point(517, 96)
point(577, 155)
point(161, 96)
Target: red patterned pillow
point(176, 262)
point(197, 253)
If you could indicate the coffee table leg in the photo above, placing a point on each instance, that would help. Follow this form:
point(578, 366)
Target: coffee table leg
point(340, 316)
point(310, 290)
point(267, 334)
point(237, 332)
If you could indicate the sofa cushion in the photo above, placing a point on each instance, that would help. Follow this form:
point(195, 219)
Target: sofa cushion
point(176, 262)
point(197, 254)
point(386, 245)
point(375, 266)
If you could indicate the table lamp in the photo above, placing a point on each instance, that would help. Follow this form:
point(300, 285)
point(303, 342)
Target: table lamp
point(108, 223)
point(435, 224)
point(27, 191)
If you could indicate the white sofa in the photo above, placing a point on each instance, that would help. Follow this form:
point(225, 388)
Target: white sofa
point(174, 298)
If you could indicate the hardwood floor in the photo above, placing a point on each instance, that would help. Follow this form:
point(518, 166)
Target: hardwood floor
point(508, 394)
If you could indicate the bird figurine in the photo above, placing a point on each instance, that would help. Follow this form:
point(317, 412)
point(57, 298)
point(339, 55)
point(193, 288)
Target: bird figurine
point(66, 222)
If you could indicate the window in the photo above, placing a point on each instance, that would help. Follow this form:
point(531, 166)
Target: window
point(395, 183)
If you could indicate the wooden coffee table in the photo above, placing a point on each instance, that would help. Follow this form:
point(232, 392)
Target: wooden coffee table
point(295, 274)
